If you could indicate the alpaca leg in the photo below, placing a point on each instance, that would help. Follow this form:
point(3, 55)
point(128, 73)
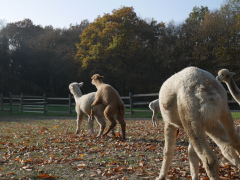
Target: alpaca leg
point(91, 113)
point(95, 102)
point(194, 161)
point(227, 121)
point(170, 139)
point(154, 118)
point(113, 132)
point(197, 137)
point(90, 125)
point(220, 137)
point(109, 113)
point(112, 125)
point(102, 123)
point(195, 128)
point(80, 117)
point(120, 119)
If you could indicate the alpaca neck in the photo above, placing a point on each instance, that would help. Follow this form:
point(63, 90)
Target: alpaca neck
point(233, 89)
point(98, 84)
point(77, 94)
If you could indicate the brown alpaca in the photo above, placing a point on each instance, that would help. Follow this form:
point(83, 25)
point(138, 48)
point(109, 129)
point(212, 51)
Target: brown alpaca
point(110, 98)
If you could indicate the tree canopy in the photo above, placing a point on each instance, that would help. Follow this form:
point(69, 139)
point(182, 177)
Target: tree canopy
point(118, 45)
point(134, 54)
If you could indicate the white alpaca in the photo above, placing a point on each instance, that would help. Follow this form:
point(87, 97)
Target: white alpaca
point(195, 101)
point(83, 107)
point(225, 76)
point(154, 106)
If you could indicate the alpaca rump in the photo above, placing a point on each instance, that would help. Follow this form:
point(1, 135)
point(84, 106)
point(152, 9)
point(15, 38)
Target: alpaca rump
point(110, 98)
point(194, 100)
point(210, 104)
point(83, 107)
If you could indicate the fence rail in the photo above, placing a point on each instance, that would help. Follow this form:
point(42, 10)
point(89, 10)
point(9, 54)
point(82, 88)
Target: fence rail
point(42, 104)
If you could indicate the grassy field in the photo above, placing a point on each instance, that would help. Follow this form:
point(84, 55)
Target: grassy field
point(235, 115)
point(46, 147)
point(73, 114)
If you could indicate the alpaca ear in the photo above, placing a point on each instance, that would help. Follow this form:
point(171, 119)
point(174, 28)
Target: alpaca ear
point(94, 77)
point(231, 73)
point(80, 84)
point(101, 77)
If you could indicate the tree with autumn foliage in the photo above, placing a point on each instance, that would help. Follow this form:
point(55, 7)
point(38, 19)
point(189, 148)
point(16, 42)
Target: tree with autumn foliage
point(120, 47)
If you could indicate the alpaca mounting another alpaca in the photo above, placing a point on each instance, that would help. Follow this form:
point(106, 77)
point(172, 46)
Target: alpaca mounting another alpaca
point(194, 100)
point(110, 98)
point(154, 106)
point(83, 107)
point(224, 75)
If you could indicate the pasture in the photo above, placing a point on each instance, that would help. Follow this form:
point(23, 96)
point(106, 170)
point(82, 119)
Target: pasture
point(46, 147)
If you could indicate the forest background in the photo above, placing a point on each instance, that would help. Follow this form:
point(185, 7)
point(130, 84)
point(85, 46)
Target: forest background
point(134, 55)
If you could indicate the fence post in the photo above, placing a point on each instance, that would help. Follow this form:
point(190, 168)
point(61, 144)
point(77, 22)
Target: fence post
point(131, 103)
point(1, 102)
point(21, 103)
point(44, 104)
point(70, 102)
point(10, 102)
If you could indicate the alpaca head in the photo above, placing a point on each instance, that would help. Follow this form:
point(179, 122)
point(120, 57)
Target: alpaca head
point(75, 88)
point(224, 75)
point(96, 78)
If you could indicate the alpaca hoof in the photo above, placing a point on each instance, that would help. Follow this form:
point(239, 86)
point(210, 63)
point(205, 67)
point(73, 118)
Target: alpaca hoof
point(160, 178)
point(91, 117)
point(104, 134)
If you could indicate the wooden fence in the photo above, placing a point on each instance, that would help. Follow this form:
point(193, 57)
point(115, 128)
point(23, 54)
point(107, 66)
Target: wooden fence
point(43, 104)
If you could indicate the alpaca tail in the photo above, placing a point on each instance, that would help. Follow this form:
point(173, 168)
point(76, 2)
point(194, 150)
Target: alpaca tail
point(210, 105)
point(150, 105)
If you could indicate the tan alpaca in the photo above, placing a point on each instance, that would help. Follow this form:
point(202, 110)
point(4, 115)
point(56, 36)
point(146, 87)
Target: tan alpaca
point(110, 98)
point(194, 100)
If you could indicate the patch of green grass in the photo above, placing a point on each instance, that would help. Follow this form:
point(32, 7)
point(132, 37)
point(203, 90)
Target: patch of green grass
point(139, 114)
point(235, 115)
point(58, 109)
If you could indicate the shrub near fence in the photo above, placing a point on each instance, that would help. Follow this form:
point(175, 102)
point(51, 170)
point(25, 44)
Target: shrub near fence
point(135, 103)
